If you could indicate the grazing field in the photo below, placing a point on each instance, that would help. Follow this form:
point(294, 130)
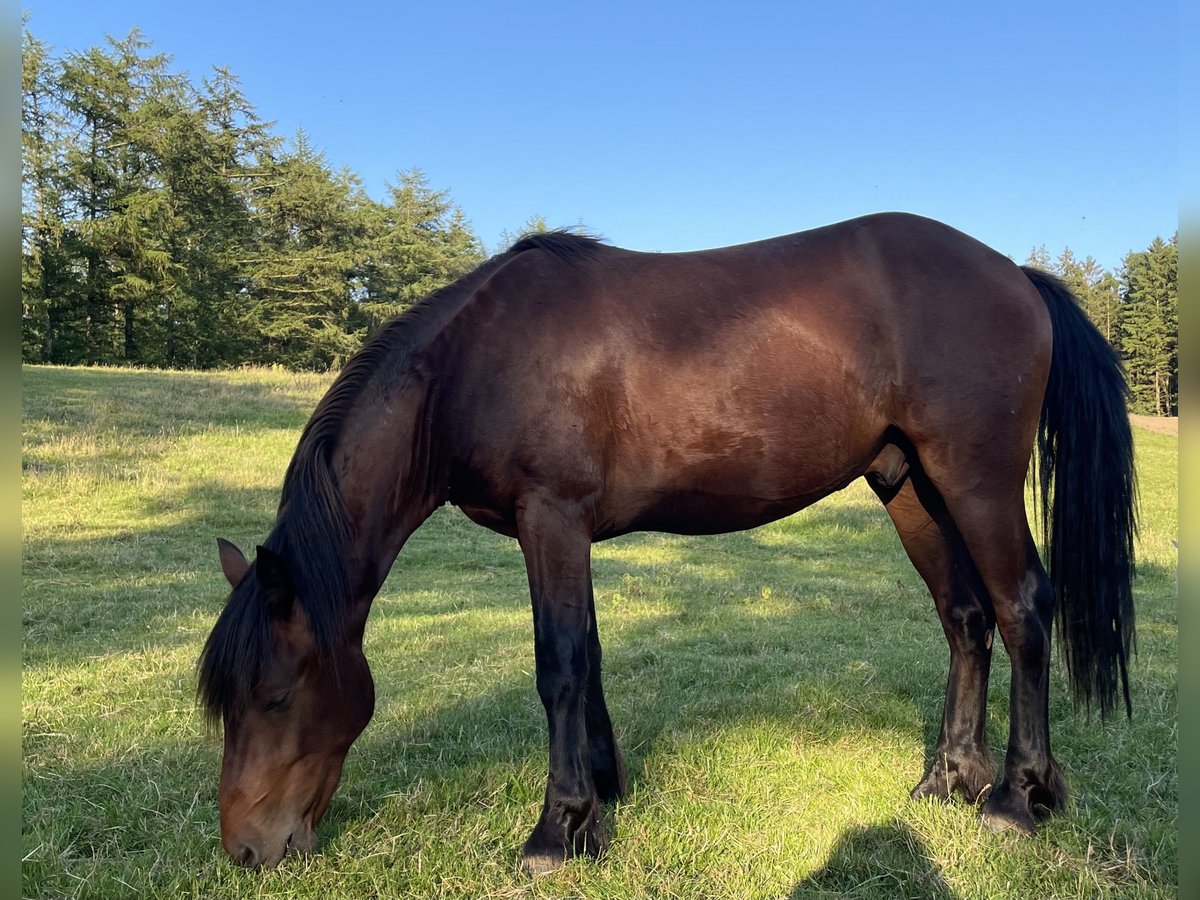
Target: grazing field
point(775, 691)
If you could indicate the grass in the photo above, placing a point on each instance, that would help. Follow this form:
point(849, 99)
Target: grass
point(775, 692)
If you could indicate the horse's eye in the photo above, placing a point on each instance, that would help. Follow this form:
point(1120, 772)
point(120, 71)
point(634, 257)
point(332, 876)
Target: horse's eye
point(277, 704)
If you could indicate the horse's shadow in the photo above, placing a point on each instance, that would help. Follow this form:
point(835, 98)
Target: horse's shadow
point(878, 858)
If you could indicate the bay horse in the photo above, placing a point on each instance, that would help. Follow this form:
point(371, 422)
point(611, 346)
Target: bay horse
point(566, 392)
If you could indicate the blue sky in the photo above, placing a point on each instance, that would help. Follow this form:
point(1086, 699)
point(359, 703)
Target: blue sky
point(675, 126)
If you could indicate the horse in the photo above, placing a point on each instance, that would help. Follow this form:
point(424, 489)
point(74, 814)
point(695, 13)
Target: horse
point(567, 391)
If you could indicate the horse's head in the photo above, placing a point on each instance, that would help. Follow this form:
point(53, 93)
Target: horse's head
point(291, 707)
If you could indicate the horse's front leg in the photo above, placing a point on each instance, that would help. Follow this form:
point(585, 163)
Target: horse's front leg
point(608, 768)
point(556, 542)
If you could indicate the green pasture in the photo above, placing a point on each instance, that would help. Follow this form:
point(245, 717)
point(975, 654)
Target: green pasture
point(776, 692)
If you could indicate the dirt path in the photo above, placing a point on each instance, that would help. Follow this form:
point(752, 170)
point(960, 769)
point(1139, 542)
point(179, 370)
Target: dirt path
point(1157, 424)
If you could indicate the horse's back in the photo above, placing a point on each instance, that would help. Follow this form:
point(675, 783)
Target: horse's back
point(718, 389)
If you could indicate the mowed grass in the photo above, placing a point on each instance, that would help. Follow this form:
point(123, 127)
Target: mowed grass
point(776, 692)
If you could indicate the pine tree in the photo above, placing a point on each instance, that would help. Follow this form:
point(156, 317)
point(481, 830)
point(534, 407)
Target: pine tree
point(209, 150)
point(1097, 291)
point(418, 242)
point(1039, 258)
point(48, 285)
point(535, 224)
point(307, 247)
point(109, 176)
point(1150, 326)
point(163, 224)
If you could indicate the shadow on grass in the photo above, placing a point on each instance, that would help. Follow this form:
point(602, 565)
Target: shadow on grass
point(879, 860)
point(136, 588)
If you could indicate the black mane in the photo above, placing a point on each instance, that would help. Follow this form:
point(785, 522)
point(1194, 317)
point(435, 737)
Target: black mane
point(312, 530)
point(569, 245)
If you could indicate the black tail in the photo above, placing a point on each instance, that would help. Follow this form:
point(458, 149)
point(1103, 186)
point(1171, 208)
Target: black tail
point(1086, 478)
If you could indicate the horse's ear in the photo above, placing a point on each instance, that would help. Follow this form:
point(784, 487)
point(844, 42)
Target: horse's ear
point(233, 562)
point(275, 581)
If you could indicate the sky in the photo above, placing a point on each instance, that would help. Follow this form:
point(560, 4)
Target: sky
point(680, 126)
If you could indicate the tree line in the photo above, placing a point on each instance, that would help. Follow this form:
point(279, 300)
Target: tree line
point(165, 224)
point(1137, 310)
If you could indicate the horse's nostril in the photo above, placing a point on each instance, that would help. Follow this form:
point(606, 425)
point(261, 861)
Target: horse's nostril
point(247, 856)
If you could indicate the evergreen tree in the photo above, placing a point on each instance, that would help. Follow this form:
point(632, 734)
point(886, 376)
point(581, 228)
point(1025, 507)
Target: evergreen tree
point(163, 224)
point(1150, 326)
point(418, 242)
point(535, 224)
point(109, 184)
point(1097, 290)
point(307, 248)
point(1039, 258)
point(210, 151)
point(48, 285)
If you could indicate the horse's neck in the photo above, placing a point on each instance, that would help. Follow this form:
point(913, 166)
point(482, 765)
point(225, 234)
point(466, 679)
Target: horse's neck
point(389, 465)
point(388, 475)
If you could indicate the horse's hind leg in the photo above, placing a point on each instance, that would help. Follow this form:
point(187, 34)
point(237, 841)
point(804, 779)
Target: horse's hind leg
point(991, 518)
point(961, 761)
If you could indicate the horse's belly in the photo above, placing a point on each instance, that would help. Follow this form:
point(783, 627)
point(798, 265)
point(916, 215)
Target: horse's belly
point(696, 512)
point(722, 496)
point(490, 518)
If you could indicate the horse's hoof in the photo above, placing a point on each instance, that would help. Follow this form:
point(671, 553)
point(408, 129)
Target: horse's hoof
point(1001, 822)
point(1004, 812)
point(970, 776)
point(548, 848)
point(536, 864)
point(542, 860)
point(1041, 792)
point(932, 788)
